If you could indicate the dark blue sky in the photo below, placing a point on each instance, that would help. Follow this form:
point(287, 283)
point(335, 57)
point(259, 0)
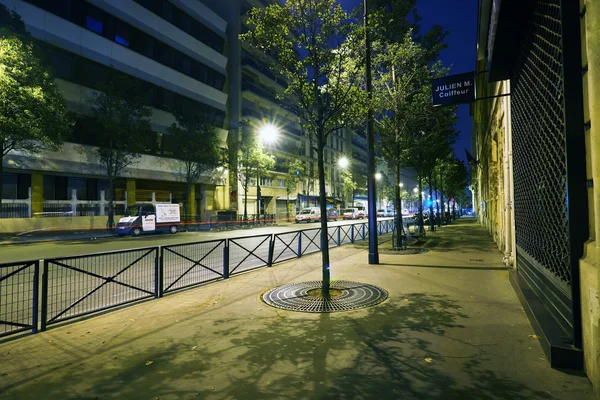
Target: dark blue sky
point(460, 18)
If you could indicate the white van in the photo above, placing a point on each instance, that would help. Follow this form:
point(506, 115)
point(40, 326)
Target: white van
point(350, 213)
point(311, 214)
point(146, 217)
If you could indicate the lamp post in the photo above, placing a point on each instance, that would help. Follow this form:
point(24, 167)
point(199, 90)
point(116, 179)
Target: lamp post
point(373, 250)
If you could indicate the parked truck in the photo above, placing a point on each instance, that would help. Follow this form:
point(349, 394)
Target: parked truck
point(147, 217)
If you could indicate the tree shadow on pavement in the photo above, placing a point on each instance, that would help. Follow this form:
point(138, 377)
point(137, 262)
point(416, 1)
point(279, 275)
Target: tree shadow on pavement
point(390, 351)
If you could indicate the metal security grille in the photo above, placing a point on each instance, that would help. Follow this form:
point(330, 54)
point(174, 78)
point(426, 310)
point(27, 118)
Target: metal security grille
point(540, 163)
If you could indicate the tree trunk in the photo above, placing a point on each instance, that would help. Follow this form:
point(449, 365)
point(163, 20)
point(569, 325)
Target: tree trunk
point(323, 206)
point(421, 221)
point(1, 180)
point(431, 220)
point(398, 207)
point(437, 201)
point(442, 197)
point(110, 223)
point(186, 202)
point(287, 207)
point(246, 201)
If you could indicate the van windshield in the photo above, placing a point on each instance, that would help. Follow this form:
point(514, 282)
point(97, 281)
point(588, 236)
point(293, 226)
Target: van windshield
point(348, 210)
point(132, 211)
point(305, 211)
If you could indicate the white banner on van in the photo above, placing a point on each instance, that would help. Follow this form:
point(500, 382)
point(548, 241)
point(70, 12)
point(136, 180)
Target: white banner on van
point(167, 213)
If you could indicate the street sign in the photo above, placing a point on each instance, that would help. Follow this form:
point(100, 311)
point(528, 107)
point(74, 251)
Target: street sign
point(454, 89)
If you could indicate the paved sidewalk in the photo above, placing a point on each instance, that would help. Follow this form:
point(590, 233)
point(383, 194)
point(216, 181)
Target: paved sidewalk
point(452, 328)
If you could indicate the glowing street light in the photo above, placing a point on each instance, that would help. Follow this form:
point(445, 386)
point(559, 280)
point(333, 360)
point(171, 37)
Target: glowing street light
point(268, 133)
point(378, 176)
point(343, 162)
point(416, 190)
point(401, 184)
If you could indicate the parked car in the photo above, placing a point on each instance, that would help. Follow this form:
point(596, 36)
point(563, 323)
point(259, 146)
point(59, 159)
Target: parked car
point(332, 214)
point(382, 213)
point(311, 214)
point(350, 213)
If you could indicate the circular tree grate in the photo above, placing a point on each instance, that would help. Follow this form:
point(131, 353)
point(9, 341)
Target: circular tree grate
point(305, 296)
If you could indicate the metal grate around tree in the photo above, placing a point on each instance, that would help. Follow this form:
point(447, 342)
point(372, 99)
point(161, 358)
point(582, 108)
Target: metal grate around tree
point(304, 296)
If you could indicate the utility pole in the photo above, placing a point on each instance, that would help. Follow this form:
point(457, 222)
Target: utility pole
point(373, 246)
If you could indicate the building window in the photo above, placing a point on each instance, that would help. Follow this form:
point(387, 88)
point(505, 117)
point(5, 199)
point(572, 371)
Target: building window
point(281, 183)
point(93, 20)
point(122, 34)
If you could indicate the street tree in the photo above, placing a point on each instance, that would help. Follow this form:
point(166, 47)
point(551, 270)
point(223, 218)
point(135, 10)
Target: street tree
point(315, 42)
point(428, 139)
point(123, 128)
point(252, 160)
point(294, 175)
point(348, 184)
point(33, 112)
point(401, 71)
point(197, 149)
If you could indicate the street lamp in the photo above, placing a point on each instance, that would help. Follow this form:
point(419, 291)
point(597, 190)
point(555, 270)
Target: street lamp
point(378, 176)
point(268, 133)
point(343, 162)
point(416, 190)
point(401, 184)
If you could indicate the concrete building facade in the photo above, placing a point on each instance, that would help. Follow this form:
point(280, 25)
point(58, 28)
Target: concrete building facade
point(536, 187)
point(181, 51)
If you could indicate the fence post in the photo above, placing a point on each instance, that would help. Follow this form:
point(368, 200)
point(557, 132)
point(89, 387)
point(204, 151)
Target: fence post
point(35, 300)
point(158, 272)
point(271, 251)
point(29, 201)
point(363, 231)
point(226, 259)
point(299, 244)
point(352, 233)
point(339, 230)
point(103, 202)
point(44, 296)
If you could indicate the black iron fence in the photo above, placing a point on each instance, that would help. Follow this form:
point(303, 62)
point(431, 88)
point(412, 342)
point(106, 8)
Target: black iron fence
point(233, 221)
point(80, 285)
point(19, 284)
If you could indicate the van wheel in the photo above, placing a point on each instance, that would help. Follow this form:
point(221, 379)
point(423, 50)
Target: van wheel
point(173, 229)
point(136, 231)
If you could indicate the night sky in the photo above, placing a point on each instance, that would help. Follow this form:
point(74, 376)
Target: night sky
point(460, 18)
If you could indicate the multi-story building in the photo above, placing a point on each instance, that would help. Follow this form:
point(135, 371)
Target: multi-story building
point(537, 185)
point(183, 53)
point(174, 49)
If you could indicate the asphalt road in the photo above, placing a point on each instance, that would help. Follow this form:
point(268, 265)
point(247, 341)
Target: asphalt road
point(65, 248)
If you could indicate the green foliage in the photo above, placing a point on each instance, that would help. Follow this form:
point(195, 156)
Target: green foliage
point(349, 184)
point(33, 113)
point(252, 160)
point(321, 84)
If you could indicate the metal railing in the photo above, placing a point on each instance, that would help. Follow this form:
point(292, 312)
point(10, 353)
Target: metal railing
point(80, 285)
point(19, 284)
point(189, 264)
point(238, 221)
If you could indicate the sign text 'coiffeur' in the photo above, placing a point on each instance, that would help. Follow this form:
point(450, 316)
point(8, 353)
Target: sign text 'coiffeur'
point(454, 89)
